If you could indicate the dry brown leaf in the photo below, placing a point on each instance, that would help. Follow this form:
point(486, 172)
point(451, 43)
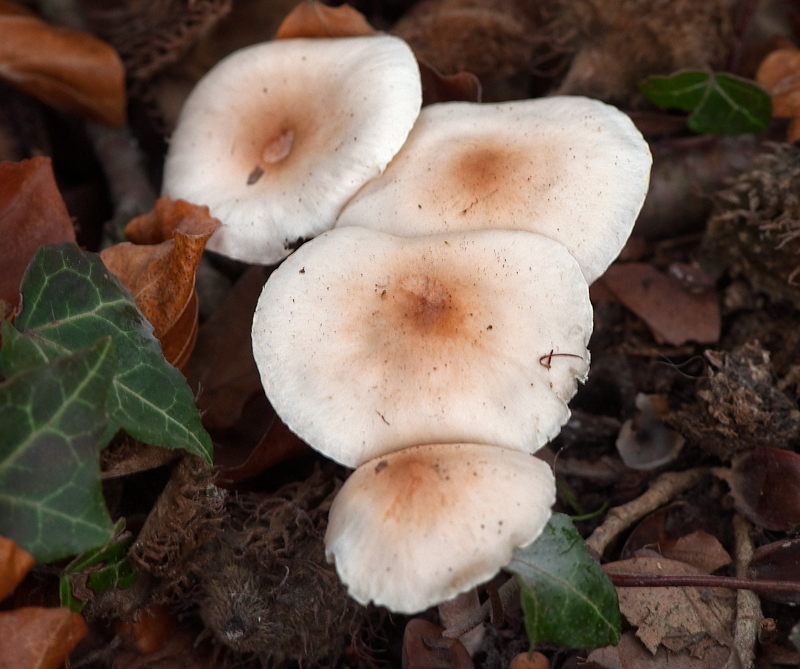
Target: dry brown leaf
point(14, 564)
point(779, 73)
point(32, 214)
point(778, 561)
point(161, 276)
point(167, 217)
point(278, 445)
point(67, 69)
point(674, 312)
point(677, 618)
point(37, 638)
point(700, 550)
point(765, 485)
point(313, 19)
point(223, 371)
point(632, 654)
point(424, 648)
point(438, 87)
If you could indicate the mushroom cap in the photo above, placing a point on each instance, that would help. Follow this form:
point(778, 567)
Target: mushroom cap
point(570, 168)
point(278, 136)
point(417, 527)
point(368, 343)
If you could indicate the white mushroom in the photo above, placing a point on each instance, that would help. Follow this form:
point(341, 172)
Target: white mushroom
point(277, 137)
point(368, 343)
point(419, 526)
point(573, 169)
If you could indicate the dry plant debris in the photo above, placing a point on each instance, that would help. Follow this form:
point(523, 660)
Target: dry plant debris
point(740, 405)
point(755, 229)
point(617, 44)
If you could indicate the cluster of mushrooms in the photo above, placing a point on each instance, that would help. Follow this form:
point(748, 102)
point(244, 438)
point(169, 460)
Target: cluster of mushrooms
point(432, 332)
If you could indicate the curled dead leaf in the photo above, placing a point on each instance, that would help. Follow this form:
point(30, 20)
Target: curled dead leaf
point(167, 217)
point(161, 276)
point(14, 564)
point(32, 214)
point(67, 69)
point(438, 87)
point(313, 19)
point(38, 638)
point(779, 74)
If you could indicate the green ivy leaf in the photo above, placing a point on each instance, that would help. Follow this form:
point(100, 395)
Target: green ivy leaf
point(51, 421)
point(720, 103)
point(566, 596)
point(99, 569)
point(69, 300)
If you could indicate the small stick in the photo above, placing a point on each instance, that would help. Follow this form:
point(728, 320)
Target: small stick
point(748, 606)
point(702, 581)
point(620, 518)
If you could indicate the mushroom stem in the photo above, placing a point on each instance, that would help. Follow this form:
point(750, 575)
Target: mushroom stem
point(507, 592)
point(455, 611)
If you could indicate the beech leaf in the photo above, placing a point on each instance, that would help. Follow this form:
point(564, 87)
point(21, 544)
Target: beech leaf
point(32, 214)
point(14, 564)
point(66, 69)
point(38, 638)
point(566, 596)
point(161, 274)
point(765, 486)
point(314, 19)
point(52, 418)
point(720, 103)
point(70, 300)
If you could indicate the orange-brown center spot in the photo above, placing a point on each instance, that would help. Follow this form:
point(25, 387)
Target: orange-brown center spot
point(425, 299)
point(481, 169)
point(278, 147)
point(483, 179)
point(415, 483)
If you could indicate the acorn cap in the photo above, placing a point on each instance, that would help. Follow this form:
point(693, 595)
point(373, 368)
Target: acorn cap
point(278, 136)
point(573, 169)
point(368, 343)
point(422, 525)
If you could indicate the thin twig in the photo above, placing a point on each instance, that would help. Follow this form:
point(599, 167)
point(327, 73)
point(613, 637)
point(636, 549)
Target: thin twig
point(701, 581)
point(664, 488)
point(748, 606)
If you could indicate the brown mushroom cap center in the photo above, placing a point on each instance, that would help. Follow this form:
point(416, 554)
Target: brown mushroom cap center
point(416, 481)
point(282, 139)
point(426, 317)
point(479, 171)
point(425, 299)
point(277, 148)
